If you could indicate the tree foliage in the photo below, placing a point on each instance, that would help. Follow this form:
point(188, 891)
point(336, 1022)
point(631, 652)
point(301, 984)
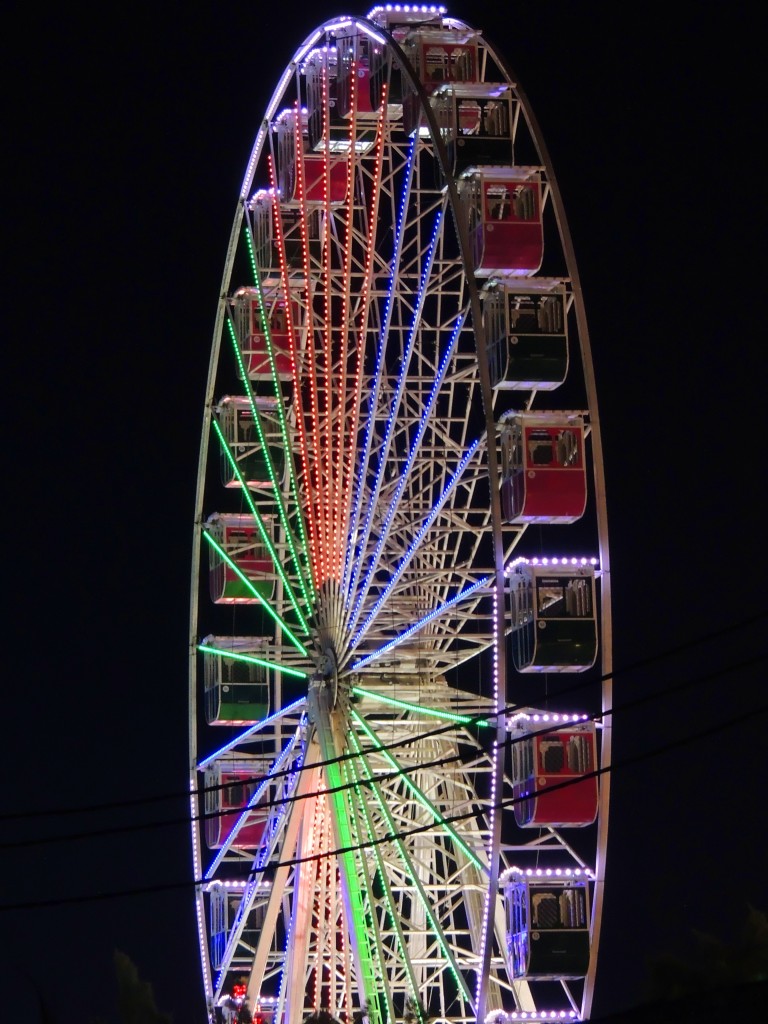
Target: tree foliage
point(135, 998)
point(714, 963)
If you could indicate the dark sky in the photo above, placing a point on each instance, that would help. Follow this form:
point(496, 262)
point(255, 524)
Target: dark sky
point(126, 144)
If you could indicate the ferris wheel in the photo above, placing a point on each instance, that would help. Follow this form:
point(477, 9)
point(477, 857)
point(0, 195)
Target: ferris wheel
point(394, 814)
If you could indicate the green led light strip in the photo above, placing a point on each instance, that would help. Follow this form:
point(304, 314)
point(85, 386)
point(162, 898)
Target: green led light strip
point(276, 561)
point(412, 873)
point(375, 847)
point(249, 659)
point(278, 395)
point(268, 456)
point(343, 816)
point(270, 611)
point(423, 800)
point(420, 709)
point(374, 1012)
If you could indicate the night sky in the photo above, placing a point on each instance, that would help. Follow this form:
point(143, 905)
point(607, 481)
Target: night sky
point(126, 146)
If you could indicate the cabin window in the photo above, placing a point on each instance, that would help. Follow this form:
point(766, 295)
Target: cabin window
point(563, 598)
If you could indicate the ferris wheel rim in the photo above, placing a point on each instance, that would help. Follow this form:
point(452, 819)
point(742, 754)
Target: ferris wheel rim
point(474, 291)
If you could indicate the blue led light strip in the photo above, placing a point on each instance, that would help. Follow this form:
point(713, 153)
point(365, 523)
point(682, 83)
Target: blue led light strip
point(415, 544)
point(265, 605)
point(252, 730)
point(263, 532)
point(251, 889)
point(435, 614)
point(383, 526)
point(396, 399)
point(350, 561)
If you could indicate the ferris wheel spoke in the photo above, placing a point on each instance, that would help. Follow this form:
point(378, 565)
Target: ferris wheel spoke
point(356, 547)
point(408, 873)
point(436, 614)
point(405, 481)
point(294, 494)
point(418, 794)
point(385, 451)
point(266, 449)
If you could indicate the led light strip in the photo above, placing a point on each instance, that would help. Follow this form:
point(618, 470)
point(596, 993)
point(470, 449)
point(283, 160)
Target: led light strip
point(436, 613)
point(251, 660)
point(350, 449)
point(383, 527)
point(415, 545)
point(270, 611)
point(413, 874)
point(263, 532)
point(268, 456)
point(353, 563)
point(375, 848)
point(277, 220)
point(291, 330)
point(383, 452)
point(419, 709)
point(425, 802)
point(298, 705)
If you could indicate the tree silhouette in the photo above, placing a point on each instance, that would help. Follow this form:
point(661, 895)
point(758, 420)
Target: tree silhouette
point(135, 998)
point(715, 964)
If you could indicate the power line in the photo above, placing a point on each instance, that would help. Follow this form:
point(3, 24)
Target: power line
point(566, 691)
point(280, 801)
point(623, 763)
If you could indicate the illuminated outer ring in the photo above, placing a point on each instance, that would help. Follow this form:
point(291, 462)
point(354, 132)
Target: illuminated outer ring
point(363, 869)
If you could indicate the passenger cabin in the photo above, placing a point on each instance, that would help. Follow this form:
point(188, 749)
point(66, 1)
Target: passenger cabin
point(261, 333)
point(273, 249)
point(476, 123)
point(324, 175)
point(551, 754)
point(553, 616)
point(547, 913)
point(503, 207)
point(526, 325)
point(229, 787)
point(353, 81)
point(241, 539)
point(543, 474)
point(236, 687)
point(320, 72)
point(398, 22)
point(437, 56)
point(257, 464)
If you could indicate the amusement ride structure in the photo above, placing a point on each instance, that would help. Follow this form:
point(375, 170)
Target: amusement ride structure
point(400, 619)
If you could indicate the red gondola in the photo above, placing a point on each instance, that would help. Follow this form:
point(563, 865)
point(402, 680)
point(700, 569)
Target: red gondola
point(543, 467)
point(552, 750)
point(504, 210)
point(252, 333)
point(241, 539)
point(322, 173)
point(229, 787)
